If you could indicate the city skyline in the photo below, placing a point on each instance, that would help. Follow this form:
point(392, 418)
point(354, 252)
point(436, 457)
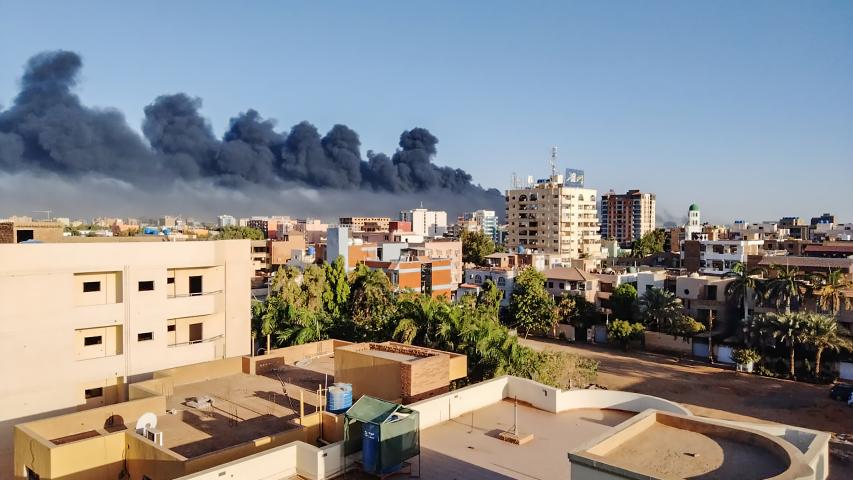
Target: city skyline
point(693, 104)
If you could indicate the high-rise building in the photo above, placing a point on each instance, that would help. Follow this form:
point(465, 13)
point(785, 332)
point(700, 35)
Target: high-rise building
point(227, 221)
point(556, 217)
point(627, 217)
point(487, 223)
point(429, 223)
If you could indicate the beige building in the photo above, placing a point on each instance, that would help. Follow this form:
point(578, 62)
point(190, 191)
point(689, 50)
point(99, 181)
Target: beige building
point(552, 218)
point(627, 217)
point(365, 224)
point(78, 322)
point(445, 248)
point(21, 230)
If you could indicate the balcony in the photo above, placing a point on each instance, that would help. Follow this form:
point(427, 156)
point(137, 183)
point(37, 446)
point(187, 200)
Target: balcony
point(192, 305)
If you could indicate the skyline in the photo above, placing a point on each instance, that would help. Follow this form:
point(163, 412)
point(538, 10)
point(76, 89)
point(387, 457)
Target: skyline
point(758, 95)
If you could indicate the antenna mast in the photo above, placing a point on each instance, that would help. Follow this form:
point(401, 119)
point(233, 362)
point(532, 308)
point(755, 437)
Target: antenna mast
point(553, 160)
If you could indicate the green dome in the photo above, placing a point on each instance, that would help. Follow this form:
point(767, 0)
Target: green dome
point(694, 208)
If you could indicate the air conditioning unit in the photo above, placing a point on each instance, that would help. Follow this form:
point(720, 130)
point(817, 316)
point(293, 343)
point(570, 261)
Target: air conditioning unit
point(154, 435)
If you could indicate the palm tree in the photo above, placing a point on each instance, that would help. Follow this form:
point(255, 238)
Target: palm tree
point(660, 308)
point(745, 287)
point(788, 286)
point(273, 313)
point(304, 326)
point(790, 330)
point(831, 291)
point(823, 333)
point(420, 317)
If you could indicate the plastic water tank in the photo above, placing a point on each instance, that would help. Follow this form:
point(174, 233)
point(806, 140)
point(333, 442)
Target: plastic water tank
point(311, 251)
point(370, 447)
point(339, 397)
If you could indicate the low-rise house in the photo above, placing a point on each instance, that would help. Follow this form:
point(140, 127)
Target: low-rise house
point(572, 281)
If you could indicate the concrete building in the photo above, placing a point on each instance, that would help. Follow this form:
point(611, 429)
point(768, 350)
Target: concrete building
point(571, 281)
point(18, 231)
point(337, 244)
point(606, 434)
point(227, 221)
point(81, 321)
point(428, 223)
point(444, 248)
point(365, 224)
point(717, 257)
point(704, 299)
point(418, 274)
point(503, 278)
point(483, 221)
point(553, 218)
point(628, 216)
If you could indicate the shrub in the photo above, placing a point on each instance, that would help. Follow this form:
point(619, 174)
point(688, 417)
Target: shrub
point(622, 332)
point(745, 355)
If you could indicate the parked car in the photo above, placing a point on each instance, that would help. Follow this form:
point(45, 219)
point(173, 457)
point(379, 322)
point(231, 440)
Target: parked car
point(841, 391)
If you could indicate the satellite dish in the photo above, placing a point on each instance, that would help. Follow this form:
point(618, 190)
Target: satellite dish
point(146, 421)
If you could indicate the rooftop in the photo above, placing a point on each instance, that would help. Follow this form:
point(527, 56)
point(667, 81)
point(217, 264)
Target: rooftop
point(568, 273)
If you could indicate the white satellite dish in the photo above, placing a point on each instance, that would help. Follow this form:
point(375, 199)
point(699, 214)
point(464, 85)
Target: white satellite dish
point(146, 422)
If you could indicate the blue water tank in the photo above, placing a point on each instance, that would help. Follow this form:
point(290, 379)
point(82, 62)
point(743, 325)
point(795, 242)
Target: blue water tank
point(311, 251)
point(370, 447)
point(339, 397)
point(150, 231)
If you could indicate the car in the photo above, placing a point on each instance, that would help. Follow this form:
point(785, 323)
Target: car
point(841, 391)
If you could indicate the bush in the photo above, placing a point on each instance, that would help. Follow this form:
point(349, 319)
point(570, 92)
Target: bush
point(622, 332)
point(565, 370)
point(744, 356)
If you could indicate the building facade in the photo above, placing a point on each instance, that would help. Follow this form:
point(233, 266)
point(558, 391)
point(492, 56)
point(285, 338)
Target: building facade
point(365, 224)
point(628, 216)
point(81, 321)
point(428, 223)
point(553, 218)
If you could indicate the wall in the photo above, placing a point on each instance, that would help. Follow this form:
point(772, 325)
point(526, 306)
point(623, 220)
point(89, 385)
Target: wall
point(668, 343)
point(368, 374)
point(459, 402)
point(289, 355)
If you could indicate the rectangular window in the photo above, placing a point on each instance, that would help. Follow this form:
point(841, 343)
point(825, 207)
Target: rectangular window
point(91, 287)
point(145, 336)
point(195, 285)
point(95, 340)
point(170, 328)
point(94, 393)
point(31, 475)
point(170, 280)
point(146, 285)
point(196, 332)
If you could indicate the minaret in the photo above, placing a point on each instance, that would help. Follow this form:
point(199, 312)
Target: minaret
point(694, 222)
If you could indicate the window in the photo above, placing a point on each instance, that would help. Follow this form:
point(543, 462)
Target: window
point(196, 332)
point(95, 340)
point(145, 336)
point(501, 281)
point(195, 285)
point(24, 235)
point(31, 475)
point(94, 393)
point(170, 328)
point(562, 286)
point(91, 287)
point(478, 279)
point(550, 284)
point(170, 280)
point(146, 285)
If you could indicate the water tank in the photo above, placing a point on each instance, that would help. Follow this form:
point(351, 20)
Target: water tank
point(311, 251)
point(339, 397)
point(520, 249)
point(150, 231)
point(370, 447)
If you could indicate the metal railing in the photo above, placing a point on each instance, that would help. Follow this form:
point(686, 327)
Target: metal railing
point(201, 294)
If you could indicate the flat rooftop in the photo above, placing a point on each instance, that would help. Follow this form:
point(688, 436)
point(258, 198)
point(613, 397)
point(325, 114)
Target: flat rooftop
point(464, 450)
point(245, 408)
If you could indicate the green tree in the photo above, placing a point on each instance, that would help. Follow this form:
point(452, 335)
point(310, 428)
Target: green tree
point(489, 299)
point(303, 325)
point(233, 232)
point(531, 306)
point(372, 303)
point(831, 291)
point(270, 315)
point(476, 246)
point(789, 329)
point(745, 286)
point(660, 309)
point(622, 332)
point(313, 287)
point(623, 302)
point(823, 333)
point(649, 244)
point(565, 370)
point(336, 293)
point(420, 318)
point(786, 288)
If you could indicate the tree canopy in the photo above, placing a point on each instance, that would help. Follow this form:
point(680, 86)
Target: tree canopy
point(233, 232)
point(531, 307)
point(476, 246)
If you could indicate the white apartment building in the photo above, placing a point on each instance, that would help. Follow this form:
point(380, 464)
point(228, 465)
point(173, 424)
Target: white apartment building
point(717, 257)
point(741, 230)
point(429, 223)
point(486, 222)
point(227, 221)
point(504, 279)
point(79, 321)
point(553, 218)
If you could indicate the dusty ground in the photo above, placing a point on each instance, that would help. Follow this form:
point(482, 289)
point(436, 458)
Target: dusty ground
point(719, 393)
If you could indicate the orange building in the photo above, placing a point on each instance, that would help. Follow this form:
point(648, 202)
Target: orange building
point(420, 274)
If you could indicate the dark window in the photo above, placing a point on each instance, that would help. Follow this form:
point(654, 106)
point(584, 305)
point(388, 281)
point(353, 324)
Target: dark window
point(196, 332)
point(426, 278)
point(195, 285)
point(711, 292)
point(31, 475)
point(96, 340)
point(91, 286)
point(94, 392)
point(170, 280)
point(24, 235)
point(145, 336)
point(170, 328)
point(146, 285)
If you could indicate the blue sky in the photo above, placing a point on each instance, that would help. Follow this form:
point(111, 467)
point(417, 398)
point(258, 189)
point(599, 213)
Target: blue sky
point(743, 107)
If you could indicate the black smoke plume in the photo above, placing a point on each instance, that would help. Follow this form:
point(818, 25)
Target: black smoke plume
point(48, 130)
